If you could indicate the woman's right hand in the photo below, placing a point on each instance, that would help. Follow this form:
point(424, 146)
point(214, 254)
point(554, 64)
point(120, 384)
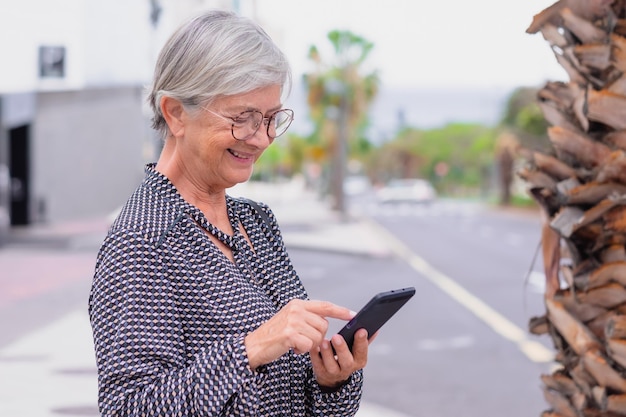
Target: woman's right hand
point(300, 325)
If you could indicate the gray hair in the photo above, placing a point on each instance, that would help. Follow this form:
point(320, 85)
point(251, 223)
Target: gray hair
point(215, 54)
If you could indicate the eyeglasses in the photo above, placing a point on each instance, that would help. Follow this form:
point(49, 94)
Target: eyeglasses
point(247, 123)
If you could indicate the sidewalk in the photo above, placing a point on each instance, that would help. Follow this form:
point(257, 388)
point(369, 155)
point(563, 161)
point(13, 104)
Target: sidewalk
point(308, 223)
point(51, 371)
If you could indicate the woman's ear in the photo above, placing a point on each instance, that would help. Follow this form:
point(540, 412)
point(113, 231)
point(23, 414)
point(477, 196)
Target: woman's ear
point(173, 113)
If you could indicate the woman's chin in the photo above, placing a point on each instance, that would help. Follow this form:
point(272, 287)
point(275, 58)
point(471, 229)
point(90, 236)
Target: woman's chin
point(238, 179)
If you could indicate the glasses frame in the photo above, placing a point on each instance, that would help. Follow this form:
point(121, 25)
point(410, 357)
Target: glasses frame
point(265, 120)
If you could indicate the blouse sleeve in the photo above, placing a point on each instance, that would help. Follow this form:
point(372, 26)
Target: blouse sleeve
point(143, 368)
point(345, 401)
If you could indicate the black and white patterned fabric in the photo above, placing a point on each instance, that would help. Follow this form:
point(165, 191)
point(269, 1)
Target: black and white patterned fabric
point(169, 312)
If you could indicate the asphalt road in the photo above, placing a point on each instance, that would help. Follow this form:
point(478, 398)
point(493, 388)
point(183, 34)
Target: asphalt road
point(443, 355)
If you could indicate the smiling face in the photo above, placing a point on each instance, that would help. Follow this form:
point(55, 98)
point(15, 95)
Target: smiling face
point(206, 151)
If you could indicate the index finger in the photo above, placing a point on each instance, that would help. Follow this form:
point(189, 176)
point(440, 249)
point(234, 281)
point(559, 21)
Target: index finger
point(328, 309)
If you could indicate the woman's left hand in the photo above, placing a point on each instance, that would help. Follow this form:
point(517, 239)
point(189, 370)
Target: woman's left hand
point(331, 370)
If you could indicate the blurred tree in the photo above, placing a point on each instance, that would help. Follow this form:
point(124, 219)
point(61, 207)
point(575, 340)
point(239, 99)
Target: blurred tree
point(522, 126)
point(507, 146)
point(284, 158)
point(455, 157)
point(339, 95)
point(273, 162)
point(524, 117)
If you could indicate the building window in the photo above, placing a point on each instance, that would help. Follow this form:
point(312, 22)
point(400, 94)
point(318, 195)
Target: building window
point(52, 61)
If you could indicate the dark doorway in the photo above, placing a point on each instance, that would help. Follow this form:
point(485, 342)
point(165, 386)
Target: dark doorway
point(19, 169)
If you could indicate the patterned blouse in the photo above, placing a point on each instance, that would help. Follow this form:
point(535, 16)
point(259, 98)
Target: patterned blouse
point(169, 312)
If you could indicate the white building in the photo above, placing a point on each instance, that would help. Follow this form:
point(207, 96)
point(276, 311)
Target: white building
point(74, 133)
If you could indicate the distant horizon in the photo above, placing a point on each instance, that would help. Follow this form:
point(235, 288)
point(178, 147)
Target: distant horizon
point(418, 107)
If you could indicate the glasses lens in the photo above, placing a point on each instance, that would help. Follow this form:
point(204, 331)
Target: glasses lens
point(246, 124)
point(279, 123)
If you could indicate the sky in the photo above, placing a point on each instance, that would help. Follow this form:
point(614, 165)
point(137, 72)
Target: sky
point(422, 44)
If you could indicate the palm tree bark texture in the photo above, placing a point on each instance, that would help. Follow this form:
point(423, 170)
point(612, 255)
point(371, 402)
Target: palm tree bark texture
point(580, 184)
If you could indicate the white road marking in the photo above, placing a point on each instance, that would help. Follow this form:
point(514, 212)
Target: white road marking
point(453, 343)
point(372, 410)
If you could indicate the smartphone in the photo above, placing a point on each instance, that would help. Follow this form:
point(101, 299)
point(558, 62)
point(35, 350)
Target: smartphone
point(376, 313)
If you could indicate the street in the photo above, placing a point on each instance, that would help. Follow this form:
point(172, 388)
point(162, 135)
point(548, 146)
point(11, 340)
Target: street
point(448, 352)
point(435, 357)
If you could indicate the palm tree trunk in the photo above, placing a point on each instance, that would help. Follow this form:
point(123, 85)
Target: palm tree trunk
point(581, 187)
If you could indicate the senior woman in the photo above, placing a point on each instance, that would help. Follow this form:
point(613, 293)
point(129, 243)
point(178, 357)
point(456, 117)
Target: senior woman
point(195, 306)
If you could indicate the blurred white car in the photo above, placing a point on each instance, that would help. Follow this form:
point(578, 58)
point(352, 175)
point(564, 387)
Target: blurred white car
point(407, 191)
point(356, 185)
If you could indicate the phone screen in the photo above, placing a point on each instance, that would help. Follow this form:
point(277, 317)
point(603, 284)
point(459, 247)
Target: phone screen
point(376, 313)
